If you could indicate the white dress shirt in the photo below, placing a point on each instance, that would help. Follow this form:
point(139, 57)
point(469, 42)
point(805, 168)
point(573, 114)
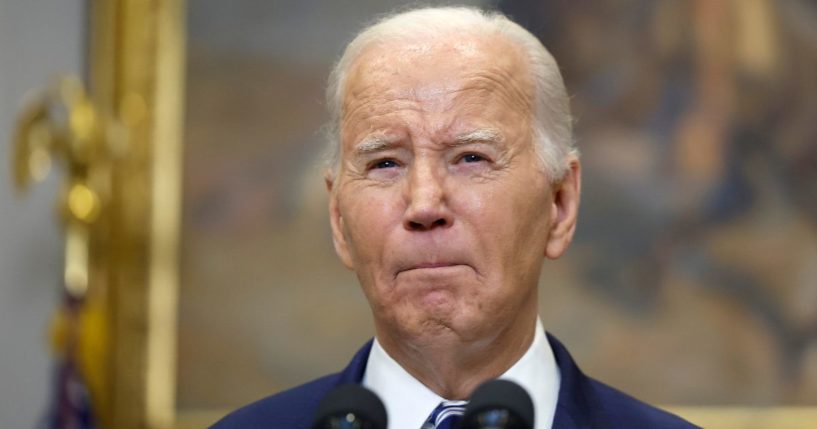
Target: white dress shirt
point(409, 402)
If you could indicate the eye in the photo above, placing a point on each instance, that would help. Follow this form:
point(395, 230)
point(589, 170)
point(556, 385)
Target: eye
point(472, 157)
point(386, 163)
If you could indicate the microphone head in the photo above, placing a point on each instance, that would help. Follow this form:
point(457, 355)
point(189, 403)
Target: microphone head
point(350, 406)
point(499, 404)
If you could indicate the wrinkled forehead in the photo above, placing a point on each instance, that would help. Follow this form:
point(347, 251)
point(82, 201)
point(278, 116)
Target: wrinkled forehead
point(442, 63)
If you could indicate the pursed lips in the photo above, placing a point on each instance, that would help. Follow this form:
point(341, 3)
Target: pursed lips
point(428, 266)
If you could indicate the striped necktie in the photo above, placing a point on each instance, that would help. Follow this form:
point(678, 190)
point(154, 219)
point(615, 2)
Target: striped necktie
point(446, 415)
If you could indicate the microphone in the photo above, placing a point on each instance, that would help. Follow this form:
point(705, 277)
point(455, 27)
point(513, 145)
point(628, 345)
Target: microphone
point(499, 404)
point(350, 406)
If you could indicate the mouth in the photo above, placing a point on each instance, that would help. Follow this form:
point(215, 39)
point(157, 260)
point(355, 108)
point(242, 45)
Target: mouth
point(429, 267)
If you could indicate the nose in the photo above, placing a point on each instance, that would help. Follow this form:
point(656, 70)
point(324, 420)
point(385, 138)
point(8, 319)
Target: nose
point(427, 207)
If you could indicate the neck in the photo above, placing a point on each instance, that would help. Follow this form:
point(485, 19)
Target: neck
point(453, 368)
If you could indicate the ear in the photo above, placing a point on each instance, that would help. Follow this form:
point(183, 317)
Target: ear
point(336, 222)
point(564, 211)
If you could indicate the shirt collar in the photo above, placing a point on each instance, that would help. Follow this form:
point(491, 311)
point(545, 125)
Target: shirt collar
point(409, 402)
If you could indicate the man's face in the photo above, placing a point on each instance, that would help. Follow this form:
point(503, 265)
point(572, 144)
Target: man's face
point(440, 205)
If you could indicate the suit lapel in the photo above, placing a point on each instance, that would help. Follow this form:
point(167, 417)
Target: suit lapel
point(353, 373)
point(574, 408)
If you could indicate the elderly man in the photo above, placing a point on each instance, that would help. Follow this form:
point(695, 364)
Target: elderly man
point(453, 177)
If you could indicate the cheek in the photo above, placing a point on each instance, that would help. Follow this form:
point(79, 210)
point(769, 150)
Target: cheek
point(474, 199)
point(487, 210)
point(369, 215)
point(510, 222)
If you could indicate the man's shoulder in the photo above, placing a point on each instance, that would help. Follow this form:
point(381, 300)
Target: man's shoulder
point(293, 408)
point(588, 403)
point(624, 411)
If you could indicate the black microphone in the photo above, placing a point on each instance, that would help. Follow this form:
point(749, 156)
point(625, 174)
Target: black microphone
point(499, 404)
point(350, 406)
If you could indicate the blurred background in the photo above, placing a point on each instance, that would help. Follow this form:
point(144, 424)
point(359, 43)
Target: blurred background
point(38, 40)
point(693, 276)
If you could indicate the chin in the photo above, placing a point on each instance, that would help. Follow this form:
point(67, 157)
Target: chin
point(441, 321)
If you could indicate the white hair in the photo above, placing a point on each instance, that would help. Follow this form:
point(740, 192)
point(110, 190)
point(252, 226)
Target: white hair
point(552, 125)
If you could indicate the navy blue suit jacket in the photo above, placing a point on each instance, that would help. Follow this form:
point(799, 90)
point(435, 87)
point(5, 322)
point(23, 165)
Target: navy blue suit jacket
point(583, 402)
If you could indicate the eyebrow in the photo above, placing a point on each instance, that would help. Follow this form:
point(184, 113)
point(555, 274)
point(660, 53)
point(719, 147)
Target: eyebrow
point(375, 143)
point(481, 135)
